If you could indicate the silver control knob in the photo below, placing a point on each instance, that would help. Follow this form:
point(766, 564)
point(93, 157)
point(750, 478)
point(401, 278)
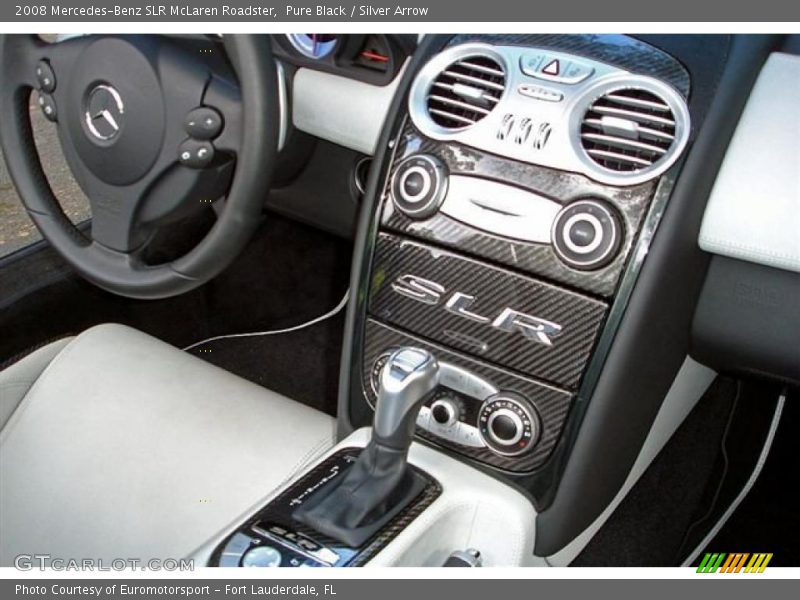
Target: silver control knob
point(587, 234)
point(419, 185)
point(262, 556)
point(445, 412)
point(508, 424)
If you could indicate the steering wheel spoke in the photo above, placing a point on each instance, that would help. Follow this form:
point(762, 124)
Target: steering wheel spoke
point(114, 220)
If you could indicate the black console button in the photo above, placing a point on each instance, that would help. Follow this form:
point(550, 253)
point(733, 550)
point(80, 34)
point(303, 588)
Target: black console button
point(505, 428)
point(583, 233)
point(587, 234)
point(440, 414)
point(414, 183)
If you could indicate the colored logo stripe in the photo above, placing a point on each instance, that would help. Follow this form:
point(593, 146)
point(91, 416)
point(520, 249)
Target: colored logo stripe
point(711, 563)
point(733, 563)
point(758, 563)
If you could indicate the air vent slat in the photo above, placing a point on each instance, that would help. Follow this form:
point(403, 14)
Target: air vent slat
point(481, 68)
point(638, 102)
point(474, 80)
point(457, 103)
point(452, 116)
point(623, 142)
point(465, 91)
point(628, 129)
point(630, 114)
point(619, 157)
point(644, 132)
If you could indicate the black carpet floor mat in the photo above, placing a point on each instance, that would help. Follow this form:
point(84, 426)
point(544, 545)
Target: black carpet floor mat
point(768, 519)
point(691, 482)
point(288, 273)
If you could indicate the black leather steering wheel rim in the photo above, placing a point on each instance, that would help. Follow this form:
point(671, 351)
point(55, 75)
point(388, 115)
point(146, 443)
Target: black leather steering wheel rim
point(122, 272)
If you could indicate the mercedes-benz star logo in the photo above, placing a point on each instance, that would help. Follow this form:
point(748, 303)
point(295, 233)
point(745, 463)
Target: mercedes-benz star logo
point(104, 112)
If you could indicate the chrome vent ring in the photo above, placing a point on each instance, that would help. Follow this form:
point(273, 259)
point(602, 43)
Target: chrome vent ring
point(466, 91)
point(458, 88)
point(631, 128)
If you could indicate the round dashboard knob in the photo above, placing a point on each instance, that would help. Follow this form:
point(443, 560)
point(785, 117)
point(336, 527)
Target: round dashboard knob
point(445, 411)
point(262, 556)
point(587, 234)
point(505, 427)
point(508, 424)
point(419, 185)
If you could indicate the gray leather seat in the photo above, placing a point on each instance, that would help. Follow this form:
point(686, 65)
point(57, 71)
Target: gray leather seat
point(116, 445)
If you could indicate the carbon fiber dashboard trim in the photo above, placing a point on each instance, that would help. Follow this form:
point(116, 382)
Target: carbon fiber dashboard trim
point(632, 203)
point(551, 403)
point(493, 289)
point(619, 50)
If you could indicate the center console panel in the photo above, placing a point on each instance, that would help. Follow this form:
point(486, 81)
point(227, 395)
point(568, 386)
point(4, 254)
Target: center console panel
point(523, 182)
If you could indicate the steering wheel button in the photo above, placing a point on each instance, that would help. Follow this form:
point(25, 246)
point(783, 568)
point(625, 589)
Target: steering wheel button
point(196, 154)
point(45, 77)
point(48, 105)
point(203, 123)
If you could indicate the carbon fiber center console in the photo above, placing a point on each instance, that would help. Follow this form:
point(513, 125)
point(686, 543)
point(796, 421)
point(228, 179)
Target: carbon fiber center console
point(522, 178)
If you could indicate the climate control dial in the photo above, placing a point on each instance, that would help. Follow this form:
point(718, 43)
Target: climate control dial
point(587, 234)
point(419, 185)
point(445, 411)
point(508, 424)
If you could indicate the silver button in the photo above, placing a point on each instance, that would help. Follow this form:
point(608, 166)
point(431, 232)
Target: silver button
point(531, 63)
point(469, 436)
point(262, 556)
point(575, 72)
point(540, 93)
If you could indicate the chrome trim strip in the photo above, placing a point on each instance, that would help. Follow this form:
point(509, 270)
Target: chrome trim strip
point(283, 105)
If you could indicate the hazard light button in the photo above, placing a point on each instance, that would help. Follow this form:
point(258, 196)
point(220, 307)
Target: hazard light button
point(555, 68)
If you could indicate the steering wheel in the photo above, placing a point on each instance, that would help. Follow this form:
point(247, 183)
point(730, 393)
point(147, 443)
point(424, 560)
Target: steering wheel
point(151, 128)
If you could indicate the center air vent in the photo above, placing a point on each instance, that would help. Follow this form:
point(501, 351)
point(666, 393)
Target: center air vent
point(629, 130)
point(465, 92)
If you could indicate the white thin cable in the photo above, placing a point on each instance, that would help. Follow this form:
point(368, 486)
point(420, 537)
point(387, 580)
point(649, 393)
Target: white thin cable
point(336, 310)
point(776, 419)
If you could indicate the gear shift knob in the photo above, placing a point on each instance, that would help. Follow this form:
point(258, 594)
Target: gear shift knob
point(406, 382)
point(380, 483)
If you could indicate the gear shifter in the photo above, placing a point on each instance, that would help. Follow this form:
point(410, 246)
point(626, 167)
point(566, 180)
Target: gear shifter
point(353, 507)
point(407, 380)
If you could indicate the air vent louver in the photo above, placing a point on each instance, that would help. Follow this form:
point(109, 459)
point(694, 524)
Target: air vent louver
point(627, 130)
point(465, 92)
